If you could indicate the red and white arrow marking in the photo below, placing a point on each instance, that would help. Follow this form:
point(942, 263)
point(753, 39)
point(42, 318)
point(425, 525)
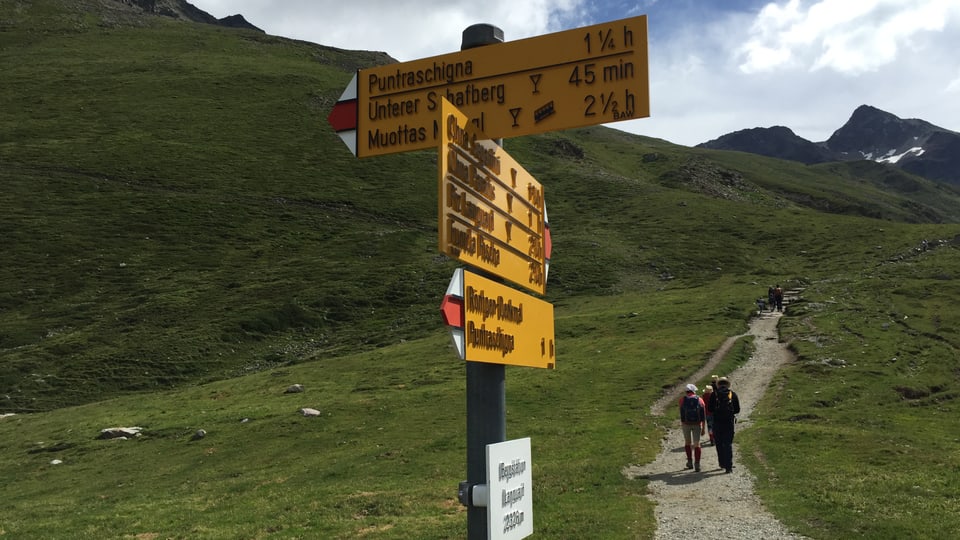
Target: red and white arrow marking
point(343, 117)
point(451, 309)
point(547, 244)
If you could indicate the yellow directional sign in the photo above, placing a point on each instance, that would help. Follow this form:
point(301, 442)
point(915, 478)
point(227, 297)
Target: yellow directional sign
point(491, 210)
point(591, 75)
point(505, 326)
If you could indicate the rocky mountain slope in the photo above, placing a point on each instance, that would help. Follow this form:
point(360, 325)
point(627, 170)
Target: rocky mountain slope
point(916, 146)
point(181, 9)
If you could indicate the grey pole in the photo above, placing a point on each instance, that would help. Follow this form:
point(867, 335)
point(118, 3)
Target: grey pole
point(486, 383)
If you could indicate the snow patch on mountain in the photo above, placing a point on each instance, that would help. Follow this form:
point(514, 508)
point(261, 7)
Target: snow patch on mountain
point(892, 156)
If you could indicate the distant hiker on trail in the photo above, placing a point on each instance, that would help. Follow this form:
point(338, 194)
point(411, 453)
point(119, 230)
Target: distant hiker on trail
point(707, 391)
point(724, 405)
point(771, 299)
point(778, 297)
point(761, 305)
point(692, 418)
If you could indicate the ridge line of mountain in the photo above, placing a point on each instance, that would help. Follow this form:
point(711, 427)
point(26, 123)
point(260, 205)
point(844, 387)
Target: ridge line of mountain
point(181, 9)
point(913, 145)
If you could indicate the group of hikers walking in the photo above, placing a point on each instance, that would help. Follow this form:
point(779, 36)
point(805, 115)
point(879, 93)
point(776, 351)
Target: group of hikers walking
point(774, 300)
point(713, 414)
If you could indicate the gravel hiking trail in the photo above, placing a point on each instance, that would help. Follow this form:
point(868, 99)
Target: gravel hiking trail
point(690, 503)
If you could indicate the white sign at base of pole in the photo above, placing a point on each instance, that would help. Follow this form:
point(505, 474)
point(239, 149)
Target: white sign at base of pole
point(510, 490)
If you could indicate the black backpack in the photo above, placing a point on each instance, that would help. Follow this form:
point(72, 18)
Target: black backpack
point(690, 411)
point(723, 401)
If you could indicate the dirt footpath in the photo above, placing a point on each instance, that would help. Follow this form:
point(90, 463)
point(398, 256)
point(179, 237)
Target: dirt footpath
point(691, 503)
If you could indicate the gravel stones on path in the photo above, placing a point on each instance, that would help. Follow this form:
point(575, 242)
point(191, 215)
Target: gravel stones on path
point(691, 503)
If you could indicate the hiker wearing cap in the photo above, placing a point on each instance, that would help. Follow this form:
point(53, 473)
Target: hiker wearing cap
point(724, 405)
point(707, 391)
point(692, 418)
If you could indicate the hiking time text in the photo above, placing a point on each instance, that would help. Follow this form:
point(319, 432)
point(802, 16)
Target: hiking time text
point(591, 75)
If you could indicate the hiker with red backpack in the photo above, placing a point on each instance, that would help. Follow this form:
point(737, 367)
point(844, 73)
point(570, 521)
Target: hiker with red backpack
point(725, 406)
point(692, 418)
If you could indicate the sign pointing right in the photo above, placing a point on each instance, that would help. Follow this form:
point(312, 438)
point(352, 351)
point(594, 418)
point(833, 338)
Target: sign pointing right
point(492, 213)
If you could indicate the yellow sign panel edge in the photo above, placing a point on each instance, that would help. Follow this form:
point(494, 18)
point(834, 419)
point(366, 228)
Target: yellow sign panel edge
point(506, 326)
point(412, 124)
point(500, 59)
point(477, 248)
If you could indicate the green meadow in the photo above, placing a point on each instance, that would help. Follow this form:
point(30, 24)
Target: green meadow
point(183, 237)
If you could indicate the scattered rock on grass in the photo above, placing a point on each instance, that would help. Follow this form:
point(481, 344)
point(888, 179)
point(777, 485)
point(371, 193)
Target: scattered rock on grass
point(120, 432)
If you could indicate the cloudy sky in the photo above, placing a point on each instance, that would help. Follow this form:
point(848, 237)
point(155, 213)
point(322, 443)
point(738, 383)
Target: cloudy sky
point(716, 66)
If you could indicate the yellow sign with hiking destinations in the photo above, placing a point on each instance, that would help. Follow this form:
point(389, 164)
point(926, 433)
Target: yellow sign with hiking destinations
point(591, 75)
point(496, 324)
point(491, 211)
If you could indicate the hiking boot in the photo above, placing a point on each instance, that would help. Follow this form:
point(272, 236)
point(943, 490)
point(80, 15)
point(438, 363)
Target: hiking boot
point(696, 467)
point(729, 470)
point(689, 464)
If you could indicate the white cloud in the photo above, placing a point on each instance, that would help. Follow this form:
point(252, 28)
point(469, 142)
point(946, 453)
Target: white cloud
point(848, 37)
point(772, 36)
point(404, 29)
point(953, 86)
point(715, 67)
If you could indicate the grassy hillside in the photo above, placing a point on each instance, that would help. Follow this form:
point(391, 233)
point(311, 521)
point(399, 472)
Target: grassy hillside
point(177, 209)
point(174, 209)
point(184, 236)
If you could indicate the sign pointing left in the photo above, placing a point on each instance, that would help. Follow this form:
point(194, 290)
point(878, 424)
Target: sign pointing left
point(451, 309)
point(582, 77)
point(490, 322)
point(343, 117)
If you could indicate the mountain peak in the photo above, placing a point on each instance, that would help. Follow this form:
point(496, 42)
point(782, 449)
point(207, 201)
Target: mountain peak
point(181, 9)
point(877, 132)
point(868, 111)
point(871, 134)
point(777, 141)
point(237, 21)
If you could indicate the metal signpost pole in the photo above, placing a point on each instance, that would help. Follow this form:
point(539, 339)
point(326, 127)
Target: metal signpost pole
point(486, 382)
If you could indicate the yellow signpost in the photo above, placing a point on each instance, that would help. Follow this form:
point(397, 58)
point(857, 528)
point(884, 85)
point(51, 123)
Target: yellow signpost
point(505, 326)
point(491, 210)
point(592, 75)
point(492, 214)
